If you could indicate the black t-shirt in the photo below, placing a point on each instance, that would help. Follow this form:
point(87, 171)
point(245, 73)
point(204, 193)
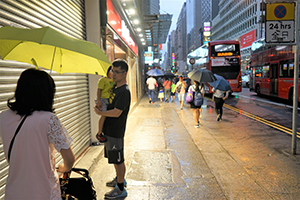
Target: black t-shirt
point(120, 99)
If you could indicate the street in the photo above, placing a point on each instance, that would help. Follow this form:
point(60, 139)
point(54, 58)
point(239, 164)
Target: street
point(237, 158)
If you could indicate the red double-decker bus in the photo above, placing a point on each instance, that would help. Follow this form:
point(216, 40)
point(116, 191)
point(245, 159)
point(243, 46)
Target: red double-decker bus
point(223, 58)
point(272, 70)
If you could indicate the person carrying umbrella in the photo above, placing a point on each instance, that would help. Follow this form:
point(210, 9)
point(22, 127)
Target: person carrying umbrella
point(221, 88)
point(151, 82)
point(219, 100)
point(196, 87)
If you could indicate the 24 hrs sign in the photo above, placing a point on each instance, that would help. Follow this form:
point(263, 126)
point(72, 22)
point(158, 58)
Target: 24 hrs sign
point(280, 31)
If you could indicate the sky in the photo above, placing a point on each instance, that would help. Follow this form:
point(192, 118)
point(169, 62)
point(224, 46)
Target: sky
point(171, 7)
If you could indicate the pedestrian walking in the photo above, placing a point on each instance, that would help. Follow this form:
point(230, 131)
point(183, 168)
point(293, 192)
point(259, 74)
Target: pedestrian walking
point(160, 90)
point(114, 128)
point(31, 135)
point(219, 99)
point(104, 89)
point(167, 89)
point(173, 91)
point(151, 82)
point(196, 88)
point(180, 89)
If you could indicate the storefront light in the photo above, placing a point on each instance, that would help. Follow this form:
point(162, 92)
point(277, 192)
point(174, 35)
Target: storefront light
point(131, 11)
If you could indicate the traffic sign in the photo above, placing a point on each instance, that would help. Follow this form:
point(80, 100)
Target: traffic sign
point(280, 24)
point(280, 11)
point(192, 61)
point(280, 31)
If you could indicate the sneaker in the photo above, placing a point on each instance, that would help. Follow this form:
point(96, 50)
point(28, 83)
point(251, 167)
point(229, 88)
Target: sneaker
point(218, 117)
point(197, 126)
point(101, 138)
point(114, 182)
point(116, 193)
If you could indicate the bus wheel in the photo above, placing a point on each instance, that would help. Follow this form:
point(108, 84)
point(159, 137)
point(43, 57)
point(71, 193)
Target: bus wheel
point(257, 90)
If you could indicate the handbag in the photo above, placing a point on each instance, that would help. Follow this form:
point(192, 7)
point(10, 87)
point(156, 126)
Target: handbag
point(189, 96)
point(81, 188)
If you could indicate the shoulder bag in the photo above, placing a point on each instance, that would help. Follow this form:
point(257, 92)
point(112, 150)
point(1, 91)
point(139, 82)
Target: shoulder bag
point(13, 139)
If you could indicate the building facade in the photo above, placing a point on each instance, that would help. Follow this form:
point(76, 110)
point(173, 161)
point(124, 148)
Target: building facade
point(180, 40)
point(235, 21)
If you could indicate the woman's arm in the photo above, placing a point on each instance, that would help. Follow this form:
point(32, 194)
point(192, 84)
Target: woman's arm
point(68, 160)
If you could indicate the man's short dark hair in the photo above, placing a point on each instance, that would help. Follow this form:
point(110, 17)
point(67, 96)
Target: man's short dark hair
point(121, 63)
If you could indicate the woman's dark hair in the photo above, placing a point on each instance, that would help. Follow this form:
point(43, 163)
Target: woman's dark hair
point(108, 70)
point(35, 91)
point(197, 86)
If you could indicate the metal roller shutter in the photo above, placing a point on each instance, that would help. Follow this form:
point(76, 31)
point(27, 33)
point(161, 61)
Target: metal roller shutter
point(72, 97)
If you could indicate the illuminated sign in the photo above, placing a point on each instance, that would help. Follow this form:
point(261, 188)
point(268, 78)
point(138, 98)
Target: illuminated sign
point(115, 22)
point(173, 59)
point(206, 28)
point(206, 33)
point(148, 57)
point(225, 54)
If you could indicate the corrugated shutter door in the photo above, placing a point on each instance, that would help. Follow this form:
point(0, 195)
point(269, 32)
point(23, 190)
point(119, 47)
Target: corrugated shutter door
point(72, 97)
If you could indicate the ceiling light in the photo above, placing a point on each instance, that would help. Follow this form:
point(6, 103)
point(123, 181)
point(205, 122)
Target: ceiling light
point(144, 43)
point(136, 21)
point(131, 11)
point(124, 4)
point(141, 35)
point(142, 39)
point(139, 29)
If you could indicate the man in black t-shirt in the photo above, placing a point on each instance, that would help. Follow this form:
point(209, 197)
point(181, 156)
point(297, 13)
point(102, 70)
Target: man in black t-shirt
point(114, 128)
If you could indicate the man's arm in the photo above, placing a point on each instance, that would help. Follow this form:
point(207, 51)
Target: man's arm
point(109, 113)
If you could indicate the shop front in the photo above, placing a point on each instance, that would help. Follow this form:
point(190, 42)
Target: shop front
point(120, 44)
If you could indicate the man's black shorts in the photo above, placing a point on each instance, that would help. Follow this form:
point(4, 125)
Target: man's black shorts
point(113, 150)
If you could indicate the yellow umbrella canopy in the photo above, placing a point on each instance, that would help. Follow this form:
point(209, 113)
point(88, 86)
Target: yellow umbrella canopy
point(50, 49)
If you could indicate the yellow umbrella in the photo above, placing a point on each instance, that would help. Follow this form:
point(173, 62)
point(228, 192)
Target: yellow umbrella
point(50, 49)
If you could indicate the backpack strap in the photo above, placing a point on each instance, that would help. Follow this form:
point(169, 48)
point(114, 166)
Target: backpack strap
point(13, 139)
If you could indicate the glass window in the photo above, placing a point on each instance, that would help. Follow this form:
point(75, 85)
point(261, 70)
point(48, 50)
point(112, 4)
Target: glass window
point(265, 71)
point(222, 48)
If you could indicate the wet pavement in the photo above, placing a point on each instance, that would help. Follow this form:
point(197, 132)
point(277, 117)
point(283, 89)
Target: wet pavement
point(168, 158)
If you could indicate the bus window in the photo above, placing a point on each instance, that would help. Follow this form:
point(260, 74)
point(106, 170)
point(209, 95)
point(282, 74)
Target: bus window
point(265, 72)
point(283, 69)
point(258, 71)
point(291, 70)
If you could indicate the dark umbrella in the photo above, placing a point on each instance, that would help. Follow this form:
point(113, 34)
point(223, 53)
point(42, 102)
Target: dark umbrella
point(221, 83)
point(155, 72)
point(169, 75)
point(202, 76)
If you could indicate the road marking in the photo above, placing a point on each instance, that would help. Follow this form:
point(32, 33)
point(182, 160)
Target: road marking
point(261, 120)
